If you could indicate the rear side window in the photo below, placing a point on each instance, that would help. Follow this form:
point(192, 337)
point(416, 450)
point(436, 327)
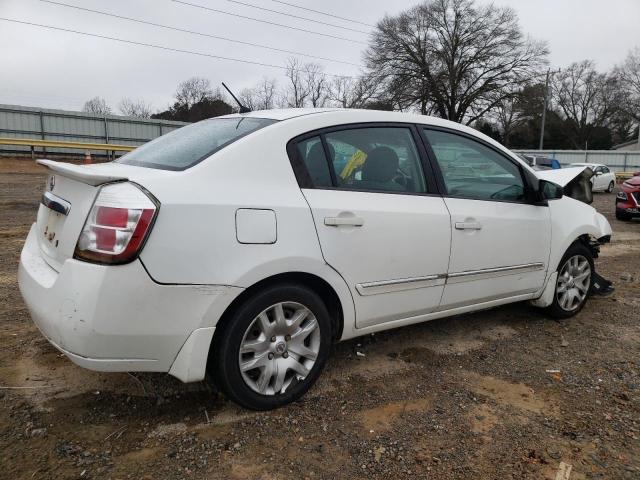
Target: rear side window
point(312, 154)
point(473, 170)
point(382, 159)
point(187, 146)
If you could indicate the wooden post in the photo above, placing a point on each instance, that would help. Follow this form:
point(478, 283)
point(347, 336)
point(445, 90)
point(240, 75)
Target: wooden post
point(42, 134)
point(106, 133)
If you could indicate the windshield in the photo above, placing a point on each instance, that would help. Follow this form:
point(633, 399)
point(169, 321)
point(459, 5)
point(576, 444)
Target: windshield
point(186, 146)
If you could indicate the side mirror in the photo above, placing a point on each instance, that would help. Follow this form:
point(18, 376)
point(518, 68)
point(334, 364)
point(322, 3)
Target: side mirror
point(549, 190)
point(598, 174)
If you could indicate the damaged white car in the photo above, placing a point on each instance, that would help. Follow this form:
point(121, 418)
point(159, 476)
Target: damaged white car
point(239, 248)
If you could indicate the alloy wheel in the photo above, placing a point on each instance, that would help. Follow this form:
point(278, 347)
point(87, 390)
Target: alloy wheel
point(279, 348)
point(573, 283)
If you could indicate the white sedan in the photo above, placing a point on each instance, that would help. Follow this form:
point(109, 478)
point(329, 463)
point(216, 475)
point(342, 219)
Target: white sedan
point(603, 180)
point(243, 246)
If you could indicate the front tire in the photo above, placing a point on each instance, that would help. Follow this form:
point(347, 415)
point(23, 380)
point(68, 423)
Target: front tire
point(611, 187)
point(574, 281)
point(273, 347)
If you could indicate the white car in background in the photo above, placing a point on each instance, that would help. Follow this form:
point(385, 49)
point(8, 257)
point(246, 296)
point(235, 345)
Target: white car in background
point(603, 180)
point(244, 245)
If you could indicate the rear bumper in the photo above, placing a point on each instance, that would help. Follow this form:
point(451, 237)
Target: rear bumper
point(115, 318)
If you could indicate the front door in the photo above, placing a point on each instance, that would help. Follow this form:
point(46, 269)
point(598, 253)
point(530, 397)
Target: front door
point(500, 243)
point(378, 225)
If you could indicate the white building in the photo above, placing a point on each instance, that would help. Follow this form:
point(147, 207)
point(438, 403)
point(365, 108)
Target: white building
point(630, 146)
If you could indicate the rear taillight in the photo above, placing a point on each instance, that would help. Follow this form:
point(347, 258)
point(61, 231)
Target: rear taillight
point(118, 224)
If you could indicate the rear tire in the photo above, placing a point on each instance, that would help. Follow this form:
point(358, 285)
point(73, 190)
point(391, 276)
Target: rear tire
point(573, 284)
point(273, 347)
point(611, 187)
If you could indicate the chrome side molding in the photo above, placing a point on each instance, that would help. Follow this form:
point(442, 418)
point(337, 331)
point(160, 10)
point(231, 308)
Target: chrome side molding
point(471, 275)
point(400, 284)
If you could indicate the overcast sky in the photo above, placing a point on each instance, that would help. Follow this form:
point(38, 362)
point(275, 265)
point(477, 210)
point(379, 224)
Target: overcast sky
point(54, 69)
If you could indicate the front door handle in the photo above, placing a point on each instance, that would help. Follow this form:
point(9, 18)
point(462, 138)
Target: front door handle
point(338, 221)
point(468, 226)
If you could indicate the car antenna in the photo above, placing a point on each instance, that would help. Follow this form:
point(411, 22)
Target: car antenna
point(243, 109)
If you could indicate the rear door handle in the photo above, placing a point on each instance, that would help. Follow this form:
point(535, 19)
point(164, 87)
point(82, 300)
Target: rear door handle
point(337, 221)
point(468, 226)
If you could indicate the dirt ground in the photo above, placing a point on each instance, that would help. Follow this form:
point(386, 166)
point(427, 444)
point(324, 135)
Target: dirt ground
point(505, 393)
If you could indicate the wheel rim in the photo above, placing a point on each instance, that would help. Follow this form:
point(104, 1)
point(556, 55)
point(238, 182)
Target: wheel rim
point(279, 348)
point(573, 283)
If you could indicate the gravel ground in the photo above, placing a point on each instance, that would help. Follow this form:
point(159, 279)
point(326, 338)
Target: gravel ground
point(505, 393)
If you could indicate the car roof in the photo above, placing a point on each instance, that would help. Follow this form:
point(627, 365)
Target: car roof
point(282, 113)
point(351, 115)
point(343, 116)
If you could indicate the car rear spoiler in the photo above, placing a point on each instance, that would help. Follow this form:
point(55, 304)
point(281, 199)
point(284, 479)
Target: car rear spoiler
point(83, 173)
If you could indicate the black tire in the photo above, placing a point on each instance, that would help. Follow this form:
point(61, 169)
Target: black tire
point(555, 309)
point(611, 187)
point(625, 217)
point(224, 358)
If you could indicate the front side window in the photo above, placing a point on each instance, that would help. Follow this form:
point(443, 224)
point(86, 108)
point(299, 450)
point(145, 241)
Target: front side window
point(186, 146)
point(473, 170)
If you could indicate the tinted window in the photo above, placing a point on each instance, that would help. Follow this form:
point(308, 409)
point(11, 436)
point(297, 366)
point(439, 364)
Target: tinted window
point(472, 170)
point(380, 159)
point(605, 170)
point(312, 154)
point(186, 146)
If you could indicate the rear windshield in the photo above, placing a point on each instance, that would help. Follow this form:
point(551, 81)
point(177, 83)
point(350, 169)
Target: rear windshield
point(186, 146)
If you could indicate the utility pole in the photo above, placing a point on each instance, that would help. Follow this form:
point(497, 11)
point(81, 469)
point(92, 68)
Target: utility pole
point(544, 110)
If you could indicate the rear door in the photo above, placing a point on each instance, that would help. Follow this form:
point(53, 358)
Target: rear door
point(379, 221)
point(500, 242)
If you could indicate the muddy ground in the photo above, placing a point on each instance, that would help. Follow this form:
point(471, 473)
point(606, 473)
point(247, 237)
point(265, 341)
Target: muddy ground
point(505, 393)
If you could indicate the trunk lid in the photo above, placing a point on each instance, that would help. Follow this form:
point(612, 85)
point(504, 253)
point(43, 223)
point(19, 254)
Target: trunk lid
point(68, 197)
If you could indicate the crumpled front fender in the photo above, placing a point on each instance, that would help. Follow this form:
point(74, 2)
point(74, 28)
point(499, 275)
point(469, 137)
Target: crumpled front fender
point(571, 220)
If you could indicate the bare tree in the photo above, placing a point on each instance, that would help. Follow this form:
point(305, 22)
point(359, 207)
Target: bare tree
point(350, 92)
point(135, 108)
point(628, 78)
point(316, 84)
point(514, 111)
point(586, 98)
point(297, 91)
point(249, 98)
point(195, 90)
point(454, 58)
point(266, 91)
point(262, 96)
point(97, 105)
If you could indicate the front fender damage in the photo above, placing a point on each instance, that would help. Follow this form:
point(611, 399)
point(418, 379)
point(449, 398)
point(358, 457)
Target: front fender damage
point(573, 221)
